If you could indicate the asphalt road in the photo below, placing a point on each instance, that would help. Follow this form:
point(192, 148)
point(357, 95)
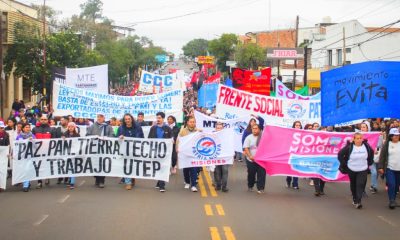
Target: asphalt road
point(86, 212)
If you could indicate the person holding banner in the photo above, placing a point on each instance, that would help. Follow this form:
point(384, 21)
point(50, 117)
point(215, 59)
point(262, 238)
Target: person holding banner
point(161, 131)
point(254, 170)
point(190, 174)
point(355, 159)
point(171, 120)
point(252, 122)
point(295, 183)
point(389, 164)
point(43, 131)
point(100, 128)
point(129, 128)
point(140, 120)
point(71, 133)
point(26, 134)
point(221, 171)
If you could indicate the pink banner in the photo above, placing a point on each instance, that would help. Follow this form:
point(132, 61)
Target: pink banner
point(300, 153)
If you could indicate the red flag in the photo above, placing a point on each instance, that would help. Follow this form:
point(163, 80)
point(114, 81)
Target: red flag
point(252, 81)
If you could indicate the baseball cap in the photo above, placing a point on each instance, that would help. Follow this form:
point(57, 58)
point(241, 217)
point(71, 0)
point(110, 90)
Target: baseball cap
point(2, 124)
point(394, 131)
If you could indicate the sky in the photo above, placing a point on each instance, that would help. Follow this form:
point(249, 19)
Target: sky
point(209, 19)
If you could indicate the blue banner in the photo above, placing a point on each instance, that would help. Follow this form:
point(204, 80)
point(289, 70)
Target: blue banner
point(359, 91)
point(208, 95)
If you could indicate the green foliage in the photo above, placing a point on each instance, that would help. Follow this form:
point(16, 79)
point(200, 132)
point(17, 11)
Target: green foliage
point(250, 56)
point(92, 10)
point(196, 47)
point(223, 49)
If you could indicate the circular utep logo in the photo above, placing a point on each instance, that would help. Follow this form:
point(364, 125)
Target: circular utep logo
point(296, 110)
point(206, 146)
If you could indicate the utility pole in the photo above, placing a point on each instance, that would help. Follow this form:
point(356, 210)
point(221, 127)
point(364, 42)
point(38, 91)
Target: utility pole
point(44, 53)
point(295, 61)
point(1, 65)
point(305, 66)
point(344, 46)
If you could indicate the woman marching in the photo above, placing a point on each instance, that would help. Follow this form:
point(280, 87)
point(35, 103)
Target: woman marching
point(71, 133)
point(355, 159)
point(389, 164)
point(26, 134)
point(294, 181)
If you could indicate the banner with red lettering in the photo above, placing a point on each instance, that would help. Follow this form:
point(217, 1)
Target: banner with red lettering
point(206, 149)
point(258, 82)
point(300, 153)
point(234, 103)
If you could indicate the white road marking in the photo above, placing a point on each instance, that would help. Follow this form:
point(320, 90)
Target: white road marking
point(41, 220)
point(63, 199)
point(387, 221)
point(80, 184)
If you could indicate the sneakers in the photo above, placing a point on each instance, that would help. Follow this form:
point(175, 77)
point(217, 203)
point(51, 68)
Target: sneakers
point(193, 189)
point(260, 191)
point(162, 189)
point(287, 185)
point(297, 188)
point(71, 186)
point(218, 188)
point(392, 204)
point(250, 189)
point(187, 185)
point(101, 185)
point(39, 186)
point(225, 189)
point(373, 190)
point(317, 194)
point(127, 187)
point(358, 205)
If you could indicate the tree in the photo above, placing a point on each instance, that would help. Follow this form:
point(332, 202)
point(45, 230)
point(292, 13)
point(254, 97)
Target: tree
point(223, 49)
point(51, 15)
point(250, 56)
point(118, 57)
point(196, 47)
point(25, 55)
point(92, 10)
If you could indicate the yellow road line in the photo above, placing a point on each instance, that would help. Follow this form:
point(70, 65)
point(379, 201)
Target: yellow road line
point(220, 210)
point(214, 233)
point(203, 191)
point(208, 209)
point(229, 234)
point(209, 183)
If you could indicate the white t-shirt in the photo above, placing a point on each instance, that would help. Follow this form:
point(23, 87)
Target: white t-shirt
point(358, 159)
point(394, 156)
point(251, 143)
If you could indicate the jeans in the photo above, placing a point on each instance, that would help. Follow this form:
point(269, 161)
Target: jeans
point(72, 181)
point(161, 184)
point(128, 180)
point(374, 176)
point(358, 181)
point(319, 185)
point(100, 180)
point(255, 171)
point(190, 175)
point(25, 184)
point(393, 183)
point(221, 175)
point(238, 156)
point(295, 181)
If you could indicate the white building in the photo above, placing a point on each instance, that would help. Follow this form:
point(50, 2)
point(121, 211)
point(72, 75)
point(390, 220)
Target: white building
point(361, 43)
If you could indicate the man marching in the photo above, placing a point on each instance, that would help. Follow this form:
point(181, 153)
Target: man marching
point(160, 130)
point(100, 128)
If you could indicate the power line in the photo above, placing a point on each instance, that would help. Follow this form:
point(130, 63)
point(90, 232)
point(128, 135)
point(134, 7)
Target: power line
point(207, 10)
point(359, 9)
point(356, 35)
